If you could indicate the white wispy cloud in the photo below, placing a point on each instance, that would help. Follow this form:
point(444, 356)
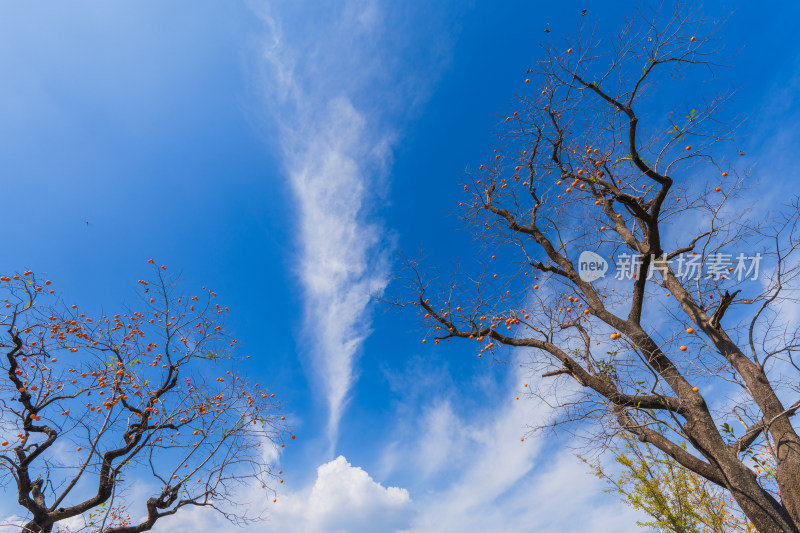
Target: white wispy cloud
point(504, 484)
point(486, 477)
point(336, 156)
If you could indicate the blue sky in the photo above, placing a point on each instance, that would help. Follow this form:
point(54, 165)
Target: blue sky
point(282, 153)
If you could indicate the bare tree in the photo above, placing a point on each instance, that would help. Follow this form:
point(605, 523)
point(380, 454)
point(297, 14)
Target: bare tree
point(594, 160)
point(97, 412)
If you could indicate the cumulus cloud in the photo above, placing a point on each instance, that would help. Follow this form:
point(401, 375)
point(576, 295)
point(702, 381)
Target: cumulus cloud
point(343, 498)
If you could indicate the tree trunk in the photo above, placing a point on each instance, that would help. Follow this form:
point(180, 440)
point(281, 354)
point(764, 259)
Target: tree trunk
point(766, 514)
point(760, 507)
point(788, 471)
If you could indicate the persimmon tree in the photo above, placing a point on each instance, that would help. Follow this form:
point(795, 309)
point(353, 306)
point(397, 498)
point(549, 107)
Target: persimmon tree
point(110, 423)
point(601, 156)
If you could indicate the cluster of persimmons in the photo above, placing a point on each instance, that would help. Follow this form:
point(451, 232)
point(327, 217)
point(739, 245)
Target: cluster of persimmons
point(152, 382)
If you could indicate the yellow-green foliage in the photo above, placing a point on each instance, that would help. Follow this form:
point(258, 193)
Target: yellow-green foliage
point(676, 499)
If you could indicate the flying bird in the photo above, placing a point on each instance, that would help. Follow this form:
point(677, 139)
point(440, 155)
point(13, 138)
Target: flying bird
point(583, 12)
